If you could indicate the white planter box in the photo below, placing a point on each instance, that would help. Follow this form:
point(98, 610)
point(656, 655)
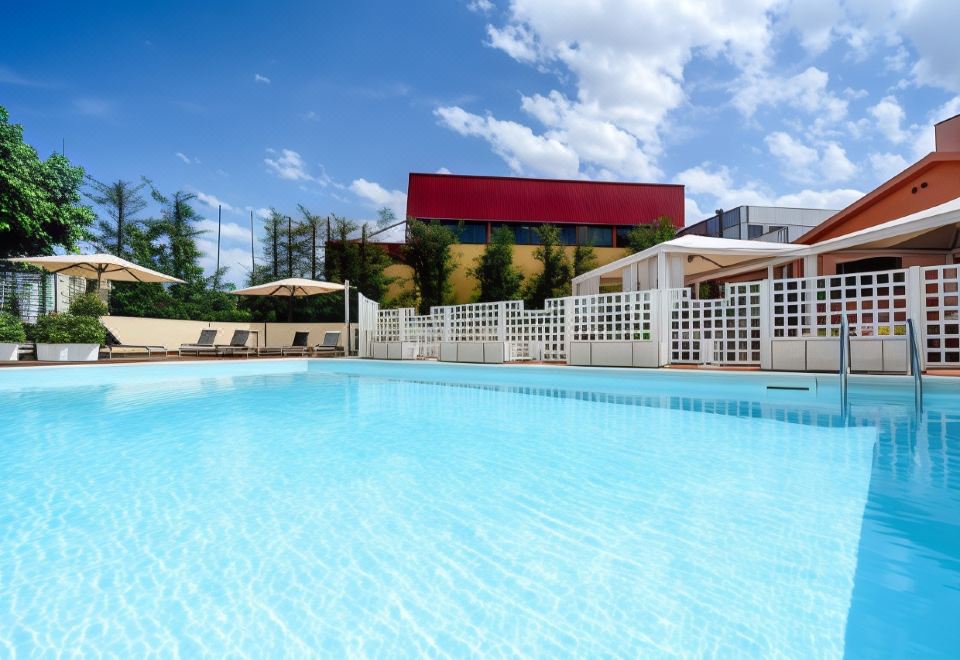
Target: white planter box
point(68, 352)
point(470, 351)
point(646, 354)
point(448, 351)
point(9, 352)
point(495, 352)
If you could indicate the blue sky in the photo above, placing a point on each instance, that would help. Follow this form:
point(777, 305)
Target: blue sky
point(331, 104)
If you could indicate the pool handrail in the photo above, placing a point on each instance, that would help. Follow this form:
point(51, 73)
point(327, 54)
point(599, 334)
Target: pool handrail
point(915, 367)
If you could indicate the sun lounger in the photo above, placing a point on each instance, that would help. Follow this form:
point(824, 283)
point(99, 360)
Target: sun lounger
point(203, 346)
point(237, 345)
point(114, 345)
point(300, 346)
point(330, 344)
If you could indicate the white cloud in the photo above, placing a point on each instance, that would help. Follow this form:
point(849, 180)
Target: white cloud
point(815, 22)
point(228, 231)
point(182, 156)
point(805, 164)
point(288, 164)
point(257, 78)
point(480, 6)
point(797, 157)
point(376, 196)
point(931, 27)
point(523, 150)
point(805, 91)
point(691, 212)
point(444, 170)
point(717, 186)
point(888, 116)
point(213, 201)
point(93, 107)
point(886, 165)
point(834, 164)
point(837, 199)
point(235, 259)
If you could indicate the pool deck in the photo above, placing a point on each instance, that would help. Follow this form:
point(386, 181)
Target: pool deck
point(173, 357)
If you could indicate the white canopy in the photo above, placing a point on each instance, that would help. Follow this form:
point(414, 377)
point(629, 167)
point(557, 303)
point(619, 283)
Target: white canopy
point(96, 267)
point(703, 254)
point(292, 286)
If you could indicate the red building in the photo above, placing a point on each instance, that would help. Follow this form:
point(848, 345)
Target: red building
point(595, 212)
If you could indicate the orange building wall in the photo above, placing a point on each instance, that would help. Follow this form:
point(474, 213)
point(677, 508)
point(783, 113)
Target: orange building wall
point(943, 184)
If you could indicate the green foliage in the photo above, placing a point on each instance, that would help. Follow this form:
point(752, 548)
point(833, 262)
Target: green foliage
point(89, 304)
point(498, 278)
point(642, 237)
point(584, 259)
point(39, 200)
point(11, 329)
point(69, 329)
point(428, 254)
point(553, 281)
point(357, 260)
point(120, 202)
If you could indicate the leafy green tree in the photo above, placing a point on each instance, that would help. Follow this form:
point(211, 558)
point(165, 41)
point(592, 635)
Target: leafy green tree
point(494, 271)
point(643, 237)
point(40, 205)
point(120, 202)
point(584, 259)
point(553, 281)
point(428, 254)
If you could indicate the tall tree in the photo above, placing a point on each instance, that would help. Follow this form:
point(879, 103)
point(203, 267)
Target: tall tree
point(120, 201)
point(553, 281)
point(312, 229)
point(497, 277)
point(584, 259)
point(40, 205)
point(642, 237)
point(342, 257)
point(428, 254)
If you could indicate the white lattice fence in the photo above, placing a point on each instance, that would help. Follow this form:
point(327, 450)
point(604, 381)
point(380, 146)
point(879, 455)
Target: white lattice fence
point(875, 304)
point(723, 330)
point(941, 314)
point(472, 322)
point(623, 316)
point(390, 323)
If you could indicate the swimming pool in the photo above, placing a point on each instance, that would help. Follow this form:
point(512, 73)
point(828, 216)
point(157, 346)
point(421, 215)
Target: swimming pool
point(332, 507)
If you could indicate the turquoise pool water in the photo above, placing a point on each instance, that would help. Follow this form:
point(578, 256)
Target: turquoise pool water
point(272, 508)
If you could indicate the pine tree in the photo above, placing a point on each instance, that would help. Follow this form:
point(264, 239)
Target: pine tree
point(584, 259)
point(120, 201)
point(428, 254)
point(554, 280)
point(494, 271)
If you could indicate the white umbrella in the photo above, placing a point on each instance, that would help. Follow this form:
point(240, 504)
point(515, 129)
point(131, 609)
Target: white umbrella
point(96, 267)
point(292, 287)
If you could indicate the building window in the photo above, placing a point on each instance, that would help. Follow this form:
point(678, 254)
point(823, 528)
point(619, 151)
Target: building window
point(754, 231)
point(595, 236)
point(713, 227)
point(474, 233)
point(731, 218)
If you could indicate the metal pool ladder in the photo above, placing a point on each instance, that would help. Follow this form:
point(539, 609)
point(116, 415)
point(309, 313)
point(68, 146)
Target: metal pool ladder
point(844, 361)
point(915, 367)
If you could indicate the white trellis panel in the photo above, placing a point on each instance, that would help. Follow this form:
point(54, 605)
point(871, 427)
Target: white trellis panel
point(390, 323)
point(941, 314)
point(622, 316)
point(875, 304)
point(471, 322)
point(723, 330)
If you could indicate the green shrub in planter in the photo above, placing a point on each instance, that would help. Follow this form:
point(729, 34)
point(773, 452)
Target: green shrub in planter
point(89, 304)
point(11, 329)
point(69, 329)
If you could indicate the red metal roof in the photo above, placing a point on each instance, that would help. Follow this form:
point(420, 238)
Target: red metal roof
point(510, 199)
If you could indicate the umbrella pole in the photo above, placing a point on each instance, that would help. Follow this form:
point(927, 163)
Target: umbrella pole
point(290, 310)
